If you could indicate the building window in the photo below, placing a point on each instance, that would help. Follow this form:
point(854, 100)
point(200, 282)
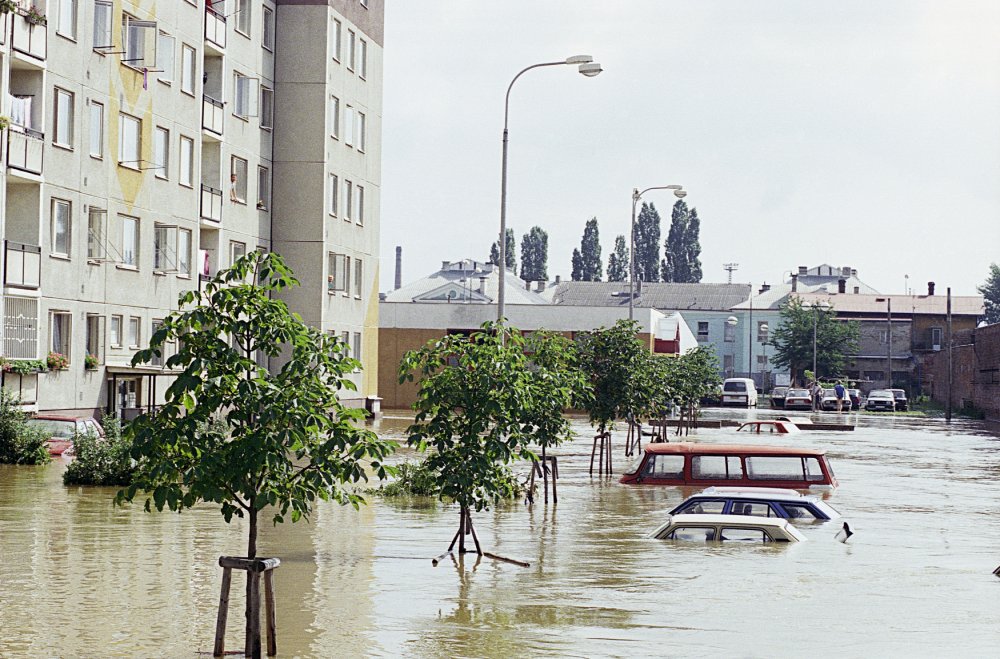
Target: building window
point(66, 19)
point(243, 17)
point(334, 194)
point(362, 58)
point(133, 331)
point(727, 364)
point(129, 146)
point(263, 188)
point(339, 279)
point(95, 233)
point(116, 331)
point(137, 36)
point(157, 359)
point(245, 94)
point(238, 181)
point(164, 248)
point(267, 39)
point(356, 347)
point(96, 130)
point(348, 199)
point(61, 332)
point(359, 130)
point(345, 338)
point(936, 335)
point(702, 330)
point(335, 46)
point(762, 363)
point(61, 226)
point(358, 277)
point(63, 119)
point(95, 337)
point(266, 107)
point(165, 58)
point(762, 331)
point(130, 241)
point(184, 252)
point(102, 25)
point(349, 125)
point(187, 162)
point(161, 152)
point(351, 51)
point(359, 213)
point(882, 334)
point(728, 333)
point(187, 69)
point(334, 117)
point(237, 251)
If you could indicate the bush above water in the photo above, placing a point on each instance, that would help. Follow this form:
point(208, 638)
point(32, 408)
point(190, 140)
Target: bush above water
point(101, 461)
point(417, 479)
point(19, 443)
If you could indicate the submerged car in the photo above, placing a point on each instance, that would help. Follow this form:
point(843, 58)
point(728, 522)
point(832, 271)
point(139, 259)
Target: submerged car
point(727, 528)
point(62, 429)
point(779, 426)
point(778, 397)
point(798, 399)
point(757, 502)
point(881, 400)
point(900, 397)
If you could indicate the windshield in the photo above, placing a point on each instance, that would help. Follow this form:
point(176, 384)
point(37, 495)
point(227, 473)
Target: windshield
point(797, 392)
point(880, 394)
point(53, 428)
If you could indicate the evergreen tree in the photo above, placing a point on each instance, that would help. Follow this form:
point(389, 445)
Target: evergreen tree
point(535, 255)
point(647, 244)
point(991, 294)
point(590, 252)
point(495, 253)
point(692, 246)
point(511, 256)
point(577, 274)
point(674, 265)
point(618, 261)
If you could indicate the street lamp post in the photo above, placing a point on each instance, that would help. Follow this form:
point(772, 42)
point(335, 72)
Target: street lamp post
point(819, 306)
point(731, 321)
point(636, 196)
point(587, 67)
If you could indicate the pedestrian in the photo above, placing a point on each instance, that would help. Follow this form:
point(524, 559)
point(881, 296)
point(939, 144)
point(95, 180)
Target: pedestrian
point(817, 396)
point(840, 392)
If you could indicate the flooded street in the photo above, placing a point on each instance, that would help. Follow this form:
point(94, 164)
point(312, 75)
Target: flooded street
point(79, 577)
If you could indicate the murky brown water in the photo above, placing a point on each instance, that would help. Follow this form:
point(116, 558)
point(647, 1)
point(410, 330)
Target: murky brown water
point(81, 578)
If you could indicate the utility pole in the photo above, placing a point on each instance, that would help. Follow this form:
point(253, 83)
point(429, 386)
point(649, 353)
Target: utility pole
point(947, 409)
point(750, 336)
point(888, 342)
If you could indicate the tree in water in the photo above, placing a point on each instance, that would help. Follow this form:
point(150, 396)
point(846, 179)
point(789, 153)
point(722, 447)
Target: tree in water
point(647, 244)
point(286, 440)
point(535, 255)
point(990, 291)
point(510, 256)
point(618, 261)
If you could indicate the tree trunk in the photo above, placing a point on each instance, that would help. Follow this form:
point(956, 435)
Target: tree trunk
point(545, 475)
point(252, 641)
point(463, 512)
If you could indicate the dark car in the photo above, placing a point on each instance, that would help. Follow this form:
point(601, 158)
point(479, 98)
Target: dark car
point(855, 395)
point(778, 397)
point(759, 501)
point(900, 396)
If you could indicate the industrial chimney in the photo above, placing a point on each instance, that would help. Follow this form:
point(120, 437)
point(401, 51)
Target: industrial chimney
point(795, 282)
point(399, 268)
point(841, 285)
point(930, 288)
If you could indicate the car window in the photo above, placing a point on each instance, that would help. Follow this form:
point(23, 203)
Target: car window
point(735, 386)
point(716, 467)
point(664, 466)
point(813, 471)
point(766, 467)
point(798, 511)
point(744, 535)
point(53, 428)
point(757, 509)
point(702, 506)
point(693, 534)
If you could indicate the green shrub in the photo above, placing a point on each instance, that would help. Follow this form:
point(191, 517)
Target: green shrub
point(19, 443)
point(100, 461)
point(418, 480)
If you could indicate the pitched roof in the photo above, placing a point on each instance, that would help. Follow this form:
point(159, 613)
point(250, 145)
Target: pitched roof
point(461, 281)
point(681, 297)
point(963, 305)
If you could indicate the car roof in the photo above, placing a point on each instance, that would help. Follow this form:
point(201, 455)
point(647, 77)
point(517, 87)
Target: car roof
point(775, 493)
point(57, 417)
point(728, 449)
point(729, 520)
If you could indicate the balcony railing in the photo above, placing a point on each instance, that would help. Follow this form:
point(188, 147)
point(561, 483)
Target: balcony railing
point(215, 28)
point(24, 149)
point(211, 203)
point(212, 115)
point(28, 37)
point(22, 265)
point(20, 327)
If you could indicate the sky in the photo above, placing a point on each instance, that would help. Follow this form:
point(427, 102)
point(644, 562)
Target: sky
point(853, 133)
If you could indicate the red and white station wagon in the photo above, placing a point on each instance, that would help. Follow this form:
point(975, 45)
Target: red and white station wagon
point(687, 463)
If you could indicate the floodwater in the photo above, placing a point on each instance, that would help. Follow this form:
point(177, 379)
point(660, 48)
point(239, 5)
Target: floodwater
point(80, 578)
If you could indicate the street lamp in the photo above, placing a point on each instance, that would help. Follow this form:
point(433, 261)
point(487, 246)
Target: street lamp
point(819, 306)
point(636, 196)
point(761, 329)
point(588, 68)
point(731, 321)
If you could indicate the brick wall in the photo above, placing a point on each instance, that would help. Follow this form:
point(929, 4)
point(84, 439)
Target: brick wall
point(976, 371)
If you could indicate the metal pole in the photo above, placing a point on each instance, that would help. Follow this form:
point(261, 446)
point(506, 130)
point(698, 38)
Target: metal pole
point(631, 256)
point(815, 374)
point(951, 374)
point(750, 335)
point(888, 341)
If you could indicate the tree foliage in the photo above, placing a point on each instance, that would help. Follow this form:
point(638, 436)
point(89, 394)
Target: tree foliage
point(511, 254)
point(646, 241)
point(682, 249)
point(20, 444)
point(618, 367)
point(577, 272)
point(990, 290)
point(618, 261)
point(590, 252)
point(535, 255)
point(101, 461)
point(793, 339)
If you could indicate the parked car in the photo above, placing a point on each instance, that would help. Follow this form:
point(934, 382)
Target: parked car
point(739, 391)
point(61, 430)
point(798, 399)
point(900, 396)
point(881, 400)
point(778, 397)
point(780, 427)
point(829, 402)
point(727, 528)
point(855, 395)
point(758, 502)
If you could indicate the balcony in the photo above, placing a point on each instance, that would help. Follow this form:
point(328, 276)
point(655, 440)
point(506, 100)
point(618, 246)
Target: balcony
point(24, 149)
point(215, 30)
point(20, 327)
point(212, 115)
point(211, 203)
point(22, 265)
point(29, 38)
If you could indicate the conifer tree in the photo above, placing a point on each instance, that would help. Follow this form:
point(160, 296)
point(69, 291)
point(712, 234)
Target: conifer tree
point(577, 274)
point(511, 256)
point(618, 261)
point(535, 255)
point(674, 265)
point(590, 252)
point(647, 244)
point(692, 247)
point(990, 291)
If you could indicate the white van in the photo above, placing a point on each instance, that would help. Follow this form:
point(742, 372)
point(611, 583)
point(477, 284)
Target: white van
point(739, 391)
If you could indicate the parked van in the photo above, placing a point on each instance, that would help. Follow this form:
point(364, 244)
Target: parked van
point(739, 391)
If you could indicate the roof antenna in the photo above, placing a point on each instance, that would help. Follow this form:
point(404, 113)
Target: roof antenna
point(730, 268)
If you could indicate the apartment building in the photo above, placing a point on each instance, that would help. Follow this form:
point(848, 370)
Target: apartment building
point(151, 143)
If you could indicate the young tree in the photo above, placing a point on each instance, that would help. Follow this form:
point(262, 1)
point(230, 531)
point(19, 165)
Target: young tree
point(793, 339)
point(577, 272)
point(618, 366)
point(990, 291)
point(674, 265)
point(692, 247)
point(289, 441)
point(647, 244)
point(510, 256)
point(482, 402)
point(590, 252)
point(535, 255)
point(618, 261)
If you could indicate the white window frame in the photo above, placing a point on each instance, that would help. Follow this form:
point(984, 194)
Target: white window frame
point(351, 49)
point(359, 273)
point(61, 208)
point(64, 345)
point(103, 20)
point(335, 47)
point(334, 194)
point(237, 250)
point(161, 152)
point(96, 130)
point(165, 49)
point(363, 57)
point(349, 125)
point(164, 248)
point(127, 157)
point(245, 96)
point(62, 118)
point(359, 209)
point(244, 17)
point(360, 129)
point(184, 244)
point(129, 253)
point(135, 38)
point(116, 330)
point(96, 219)
point(238, 189)
point(186, 173)
point(263, 188)
point(356, 346)
point(334, 117)
point(134, 331)
point(339, 275)
point(348, 200)
point(266, 108)
point(267, 30)
point(94, 336)
point(188, 69)
point(66, 14)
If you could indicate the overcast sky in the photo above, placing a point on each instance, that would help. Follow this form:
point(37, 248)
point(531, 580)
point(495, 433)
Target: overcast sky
point(851, 133)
